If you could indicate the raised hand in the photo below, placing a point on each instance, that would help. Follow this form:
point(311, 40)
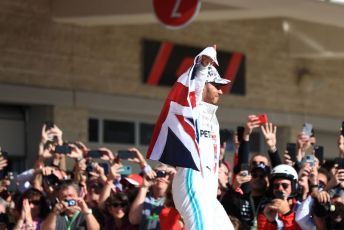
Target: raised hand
point(269, 132)
point(252, 122)
point(107, 154)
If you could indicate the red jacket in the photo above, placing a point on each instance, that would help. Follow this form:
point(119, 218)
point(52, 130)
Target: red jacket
point(288, 220)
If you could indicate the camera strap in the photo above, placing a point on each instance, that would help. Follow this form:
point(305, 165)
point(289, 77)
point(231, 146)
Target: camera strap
point(70, 222)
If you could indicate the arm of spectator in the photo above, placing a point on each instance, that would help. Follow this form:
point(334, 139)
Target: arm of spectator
point(79, 171)
point(56, 131)
point(25, 216)
point(302, 144)
point(100, 173)
point(241, 178)
point(341, 145)
point(114, 173)
point(287, 159)
point(252, 122)
point(107, 155)
point(3, 162)
point(135, 212)
point(243, 151)
point(339, 177)
point(91, 222)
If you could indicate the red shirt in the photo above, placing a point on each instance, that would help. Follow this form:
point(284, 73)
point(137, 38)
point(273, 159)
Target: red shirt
point(170, 219)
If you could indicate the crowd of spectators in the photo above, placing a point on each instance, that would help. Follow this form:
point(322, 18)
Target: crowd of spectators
point(300, 190)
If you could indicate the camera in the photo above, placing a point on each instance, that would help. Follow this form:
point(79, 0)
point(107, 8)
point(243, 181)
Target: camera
point(51, 180)
point(160, 173)
point(70, 202)
point(89, 166)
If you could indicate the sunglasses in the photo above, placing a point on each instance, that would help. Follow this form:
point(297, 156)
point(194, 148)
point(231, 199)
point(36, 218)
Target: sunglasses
point(256, 163)
point(123, 204)
point(35, 202)
point(284, 185)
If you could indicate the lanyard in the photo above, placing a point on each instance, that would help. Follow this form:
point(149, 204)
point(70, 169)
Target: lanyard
point(69, 223)
point(255, 212)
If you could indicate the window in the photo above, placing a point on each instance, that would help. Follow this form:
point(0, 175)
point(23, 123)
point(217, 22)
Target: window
point(93, 130)
point(118, 132)
point(146, 132)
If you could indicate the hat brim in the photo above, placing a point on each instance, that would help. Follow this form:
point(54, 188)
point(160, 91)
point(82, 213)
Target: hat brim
point(221, 81)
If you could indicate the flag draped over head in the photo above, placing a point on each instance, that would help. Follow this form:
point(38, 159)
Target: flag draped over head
point(175, 137)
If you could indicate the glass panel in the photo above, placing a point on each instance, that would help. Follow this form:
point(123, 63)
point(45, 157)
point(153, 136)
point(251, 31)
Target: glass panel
point(93, 130)
point(118, 132)
point(146, 132)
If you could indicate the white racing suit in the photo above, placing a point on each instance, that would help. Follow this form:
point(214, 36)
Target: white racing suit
point(194, 192)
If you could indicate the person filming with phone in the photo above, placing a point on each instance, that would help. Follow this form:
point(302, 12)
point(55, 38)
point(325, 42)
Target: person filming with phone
point(279, 213)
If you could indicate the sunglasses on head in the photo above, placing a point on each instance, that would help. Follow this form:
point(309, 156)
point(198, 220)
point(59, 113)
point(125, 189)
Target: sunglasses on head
point(284, 185)
point(123, 204)
point(256, 163)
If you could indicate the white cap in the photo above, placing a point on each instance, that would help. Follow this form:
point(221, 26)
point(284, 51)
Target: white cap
point(210, 52)
point(214, 77)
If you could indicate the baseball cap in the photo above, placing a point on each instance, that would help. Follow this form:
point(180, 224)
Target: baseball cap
point(134, 179)
point(262, 167)
point(214, 77)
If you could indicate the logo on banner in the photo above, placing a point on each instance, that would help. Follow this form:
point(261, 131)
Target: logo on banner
point(176, 14)
point(164, 62)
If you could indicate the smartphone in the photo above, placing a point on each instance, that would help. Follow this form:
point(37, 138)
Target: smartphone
point(291, 148)
point(4, 154)
point(94, 153)
point(125, 154)
point(309, 159)
point(342, 131)
point(105, 166)
point(63, 149)
point(340, 163)
point(126, 170)
point(49, 125)
point(89, 165)
point(240, 133)
point(307, 129)
point(13, 182)
point(244, 169)
point(319, 153)
point(279, 195)
point(263, 119)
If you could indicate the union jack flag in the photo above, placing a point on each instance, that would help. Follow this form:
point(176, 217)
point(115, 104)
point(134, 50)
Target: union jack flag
point(175, 137)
